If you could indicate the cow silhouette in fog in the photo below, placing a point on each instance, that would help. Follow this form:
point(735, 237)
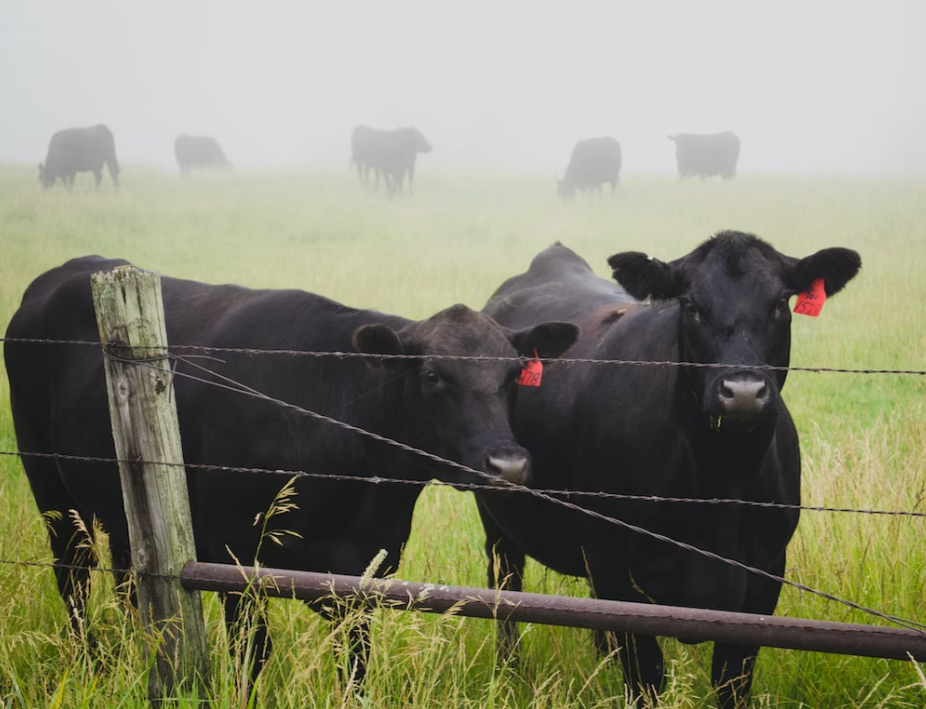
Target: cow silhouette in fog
point(199, 151)
point(390, 154)
point(706, 155)
point(74, 150)
point(593, 162)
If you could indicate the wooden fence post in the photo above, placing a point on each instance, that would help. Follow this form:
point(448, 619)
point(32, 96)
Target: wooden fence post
point(130, 315)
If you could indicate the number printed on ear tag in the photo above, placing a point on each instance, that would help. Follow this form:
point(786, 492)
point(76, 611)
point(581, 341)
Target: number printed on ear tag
point(532, 372)
point(810, 302)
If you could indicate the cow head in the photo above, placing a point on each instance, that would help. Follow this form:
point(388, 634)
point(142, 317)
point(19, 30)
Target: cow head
point(45, 177)
point(732, 293)
point(419, 143)
point(565, 188)
point(460, 409)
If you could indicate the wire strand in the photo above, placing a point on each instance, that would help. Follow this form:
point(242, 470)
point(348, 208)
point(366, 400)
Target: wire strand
point(470, 487)
point(242, 388)
point(480, 358)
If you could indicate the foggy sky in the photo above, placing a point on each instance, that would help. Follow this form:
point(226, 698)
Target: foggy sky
point(808, 86)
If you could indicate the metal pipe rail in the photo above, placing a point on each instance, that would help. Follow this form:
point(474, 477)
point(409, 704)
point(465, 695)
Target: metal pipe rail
point(596, 614)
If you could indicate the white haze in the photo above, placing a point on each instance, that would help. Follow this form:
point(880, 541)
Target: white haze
point(808, 86)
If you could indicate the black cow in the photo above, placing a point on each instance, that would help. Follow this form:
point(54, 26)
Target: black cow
point(593, 162)
point(76, 150)
point(706, 155)
point(390, 153)
point(455, 409)
point(199, 151)
point(661, 430)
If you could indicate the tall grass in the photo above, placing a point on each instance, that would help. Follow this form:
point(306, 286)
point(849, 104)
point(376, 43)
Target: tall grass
point(862, 437)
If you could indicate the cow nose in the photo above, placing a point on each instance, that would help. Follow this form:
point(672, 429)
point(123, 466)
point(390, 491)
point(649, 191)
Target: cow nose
point(511, 468)
point(745, 397)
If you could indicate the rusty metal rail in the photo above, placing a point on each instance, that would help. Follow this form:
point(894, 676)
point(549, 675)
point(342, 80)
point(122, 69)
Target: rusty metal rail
point(617, 616)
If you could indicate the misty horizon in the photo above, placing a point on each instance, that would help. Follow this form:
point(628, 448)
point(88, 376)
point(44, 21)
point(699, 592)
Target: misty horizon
point(826, 88)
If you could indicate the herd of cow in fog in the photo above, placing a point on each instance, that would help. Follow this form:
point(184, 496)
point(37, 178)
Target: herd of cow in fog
point(391, 156)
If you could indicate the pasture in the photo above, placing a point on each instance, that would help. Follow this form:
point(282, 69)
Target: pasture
point(863, 437)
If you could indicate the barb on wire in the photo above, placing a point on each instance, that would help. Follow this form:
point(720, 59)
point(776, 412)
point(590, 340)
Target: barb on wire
point(471, 487)
point(480, 358)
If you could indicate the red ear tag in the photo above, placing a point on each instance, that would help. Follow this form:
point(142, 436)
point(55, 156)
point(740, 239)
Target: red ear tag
point(532, 372)
point(811, 301)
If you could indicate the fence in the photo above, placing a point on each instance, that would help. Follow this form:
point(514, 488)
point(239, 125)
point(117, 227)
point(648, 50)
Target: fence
point(149, 353)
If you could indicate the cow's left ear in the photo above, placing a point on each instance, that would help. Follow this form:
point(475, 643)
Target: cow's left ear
point(548, 340)
point(643, 276)
point(836, 266)
point(377, 339)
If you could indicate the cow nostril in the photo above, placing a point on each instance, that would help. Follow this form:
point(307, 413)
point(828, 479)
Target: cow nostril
point(512, 469)
point(726, 393)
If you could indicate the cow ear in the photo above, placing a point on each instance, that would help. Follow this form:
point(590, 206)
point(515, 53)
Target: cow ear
point(548, 340)
point(377, 339)
point(836, 266)
point(643, 276)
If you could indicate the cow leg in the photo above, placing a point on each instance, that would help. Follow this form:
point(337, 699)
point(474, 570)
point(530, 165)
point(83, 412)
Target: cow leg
point(98, 176)
point(732, 666)
point(248, 639)
point(73, 559)
point(505, 572)
point(640, 655)
point(358, 639)
point(121, 552)
point(641, 660)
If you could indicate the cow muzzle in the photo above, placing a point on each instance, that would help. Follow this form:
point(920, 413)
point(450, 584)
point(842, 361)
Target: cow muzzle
point(744, 395)
point(742, 400)
point(509, 467)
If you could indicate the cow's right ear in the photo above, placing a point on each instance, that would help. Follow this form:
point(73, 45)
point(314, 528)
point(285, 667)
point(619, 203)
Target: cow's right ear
point(377, 339)
point(643, 276)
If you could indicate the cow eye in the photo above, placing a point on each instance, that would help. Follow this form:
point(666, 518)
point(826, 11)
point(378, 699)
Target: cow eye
point(431, 378)
point(781, 307)
point(689, 309)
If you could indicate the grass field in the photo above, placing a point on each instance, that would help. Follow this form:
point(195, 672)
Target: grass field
point(863, 437)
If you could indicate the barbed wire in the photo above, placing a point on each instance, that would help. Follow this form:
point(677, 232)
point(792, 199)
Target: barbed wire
point(480, 358)
point(472, 487)
point(500, 484)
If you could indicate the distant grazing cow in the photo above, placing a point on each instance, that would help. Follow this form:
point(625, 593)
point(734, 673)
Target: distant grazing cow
point(455, 409)
point(592, 163)
point(76, 150)
point(665, 431)
point(199, 151)
point(707, 155)
point(390, 153)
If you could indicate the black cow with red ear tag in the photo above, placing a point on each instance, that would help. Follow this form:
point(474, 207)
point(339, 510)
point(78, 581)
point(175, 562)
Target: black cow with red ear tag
point(458, 409)
point(667, 431)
